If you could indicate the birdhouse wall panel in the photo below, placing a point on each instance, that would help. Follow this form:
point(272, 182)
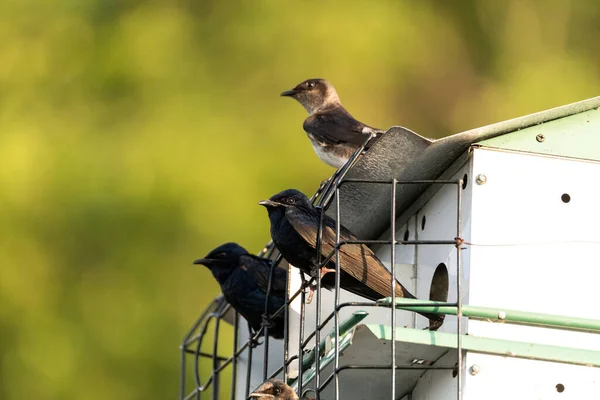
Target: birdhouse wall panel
point(405, 265)
point(535, 242)
point(405, 254)
point(494, 377)
point(438, 384)
point(437, 220)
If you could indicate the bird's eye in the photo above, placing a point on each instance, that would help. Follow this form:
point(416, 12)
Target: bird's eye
point(221, 255)
point(310, 84)
point(290, 200)
point(276, 391)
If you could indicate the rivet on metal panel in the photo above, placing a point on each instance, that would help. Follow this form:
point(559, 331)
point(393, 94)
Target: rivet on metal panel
point(474, 370)
point(501, 315)
point(481, 179)
point(540, 138)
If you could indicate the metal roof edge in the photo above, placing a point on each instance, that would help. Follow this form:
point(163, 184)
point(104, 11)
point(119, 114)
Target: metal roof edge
point(526, 121)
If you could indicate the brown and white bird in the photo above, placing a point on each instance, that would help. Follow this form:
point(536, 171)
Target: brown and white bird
point(333, 132)
point(274, 389)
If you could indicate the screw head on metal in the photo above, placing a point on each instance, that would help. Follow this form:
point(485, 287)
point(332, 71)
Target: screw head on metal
point(501, 315)
point(540, 138)
point(481, 179)
point(474, 370)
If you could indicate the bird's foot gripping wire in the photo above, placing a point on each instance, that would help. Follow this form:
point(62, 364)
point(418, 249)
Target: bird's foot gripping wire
point(306, 285)
point(313, 288)
point(320, 272)
point(252, 342)
point(323, 185)
point(266, 322)
point(311, 293)
point(325, 271)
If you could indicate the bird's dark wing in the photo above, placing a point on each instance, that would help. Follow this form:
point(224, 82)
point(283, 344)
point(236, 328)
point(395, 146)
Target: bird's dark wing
point(337, 126)
point(259, 269)
point(355, 259)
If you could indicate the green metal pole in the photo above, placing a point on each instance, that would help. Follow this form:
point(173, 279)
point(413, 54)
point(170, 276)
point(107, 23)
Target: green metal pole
point(501, 315)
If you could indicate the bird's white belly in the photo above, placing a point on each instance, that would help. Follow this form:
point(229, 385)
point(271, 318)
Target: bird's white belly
point(328, 156)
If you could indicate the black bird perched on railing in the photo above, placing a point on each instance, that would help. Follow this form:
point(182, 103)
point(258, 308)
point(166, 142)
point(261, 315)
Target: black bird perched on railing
point(275, 389)
point(333, 132)
point(294, 227)
point(244, 279)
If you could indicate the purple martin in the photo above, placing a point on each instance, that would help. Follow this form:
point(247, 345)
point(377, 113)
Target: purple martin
point(274, 389)
point(294, 227)
point(244, 278)
point(333, 132)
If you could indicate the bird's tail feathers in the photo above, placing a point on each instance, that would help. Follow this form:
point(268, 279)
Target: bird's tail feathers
point(401, 291)
point(435, 320)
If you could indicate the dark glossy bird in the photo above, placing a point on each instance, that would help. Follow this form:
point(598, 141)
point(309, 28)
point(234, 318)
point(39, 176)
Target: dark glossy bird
point(274, 389)
point(333, 132)
point(294, 225)
point(244, 279)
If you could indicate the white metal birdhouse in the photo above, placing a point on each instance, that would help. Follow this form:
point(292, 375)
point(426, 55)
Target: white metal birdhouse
point(499, 225)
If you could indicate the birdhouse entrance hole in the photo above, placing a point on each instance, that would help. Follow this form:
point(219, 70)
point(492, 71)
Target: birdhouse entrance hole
point(439, 285)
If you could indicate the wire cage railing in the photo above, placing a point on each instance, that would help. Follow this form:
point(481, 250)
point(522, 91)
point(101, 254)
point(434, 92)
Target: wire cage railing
point(327, 194)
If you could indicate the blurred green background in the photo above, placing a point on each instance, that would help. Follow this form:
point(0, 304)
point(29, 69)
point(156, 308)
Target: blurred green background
point(135, 136)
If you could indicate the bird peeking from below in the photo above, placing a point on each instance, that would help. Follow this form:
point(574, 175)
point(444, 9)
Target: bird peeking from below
point(294, 227)
point(244, 279)
point(333, 132)
point(274, 389)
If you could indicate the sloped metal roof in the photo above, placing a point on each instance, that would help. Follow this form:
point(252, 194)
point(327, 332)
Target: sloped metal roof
point(405, 155)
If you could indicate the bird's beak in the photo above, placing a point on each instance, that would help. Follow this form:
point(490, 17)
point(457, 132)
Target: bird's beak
point(289, 93)
point(269, 203)
point(204, 261)
point(260, 396)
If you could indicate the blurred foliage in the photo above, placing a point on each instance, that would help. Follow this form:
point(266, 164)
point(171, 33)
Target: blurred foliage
point(137, 135)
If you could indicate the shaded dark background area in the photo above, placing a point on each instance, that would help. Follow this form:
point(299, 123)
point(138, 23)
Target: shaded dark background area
point(135, 136)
